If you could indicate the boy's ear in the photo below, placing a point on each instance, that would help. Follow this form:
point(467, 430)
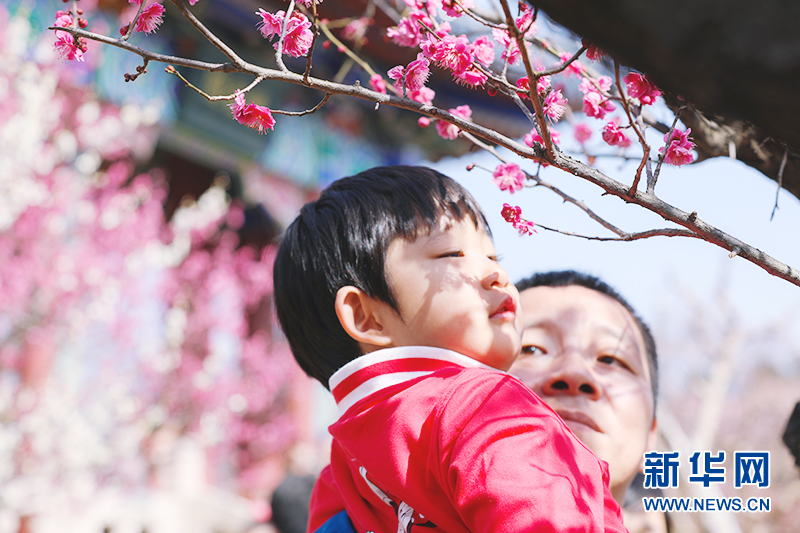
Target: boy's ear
point(361, 317)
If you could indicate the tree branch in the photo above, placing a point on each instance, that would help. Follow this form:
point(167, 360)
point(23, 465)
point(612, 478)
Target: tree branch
point(205, 32)
point(627, 237)
point(533, 79)
point(552, 156)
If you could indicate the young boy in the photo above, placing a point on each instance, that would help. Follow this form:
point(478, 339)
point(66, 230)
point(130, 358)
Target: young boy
point(389, 292)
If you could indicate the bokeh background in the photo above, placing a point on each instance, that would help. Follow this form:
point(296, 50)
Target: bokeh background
point(144, 383)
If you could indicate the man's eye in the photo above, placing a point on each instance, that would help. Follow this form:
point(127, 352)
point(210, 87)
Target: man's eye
point(532, 350)
point(611, 360)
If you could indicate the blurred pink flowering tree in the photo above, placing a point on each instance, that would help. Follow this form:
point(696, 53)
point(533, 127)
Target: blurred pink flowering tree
point(116, 324)
point(506, 55)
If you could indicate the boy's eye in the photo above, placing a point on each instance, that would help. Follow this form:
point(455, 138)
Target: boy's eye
point(453, 253)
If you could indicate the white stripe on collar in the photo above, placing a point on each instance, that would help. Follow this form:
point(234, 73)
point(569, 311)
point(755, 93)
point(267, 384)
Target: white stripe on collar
point(361, 382)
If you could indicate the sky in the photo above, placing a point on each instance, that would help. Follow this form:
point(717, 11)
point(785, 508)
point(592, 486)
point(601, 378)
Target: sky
point(652, 274)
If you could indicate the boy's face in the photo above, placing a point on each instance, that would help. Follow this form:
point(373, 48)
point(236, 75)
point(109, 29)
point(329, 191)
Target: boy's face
point(452, 293)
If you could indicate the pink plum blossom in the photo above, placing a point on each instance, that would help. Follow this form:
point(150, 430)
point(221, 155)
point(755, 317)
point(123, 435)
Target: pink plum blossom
point(596, 105)
point(582, 133)
point(508, 176)
point(509, 45)
point(151, 18)
point(613, 136)
point(678, 150)
point(574, 68)
point(251, 115)
point(424, 95)
point(483, 48)
point(454, 54)
point(270, 24)
point(513, 215)
point(592, 52)
point(589, 85)
point(472, 77)
point(65, 46)
point(416, 74)
point(407, 32)
point(450, 131)
point(356, 29)
point(542, 85)
point(299, 36)
point(454, 10)
point(377, 83)
point(639, 86)
point(525, 21)
point(534, 137)
point(555, 105)
point(63, 19)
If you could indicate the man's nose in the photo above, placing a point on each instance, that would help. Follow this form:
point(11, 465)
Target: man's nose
point(573, 377)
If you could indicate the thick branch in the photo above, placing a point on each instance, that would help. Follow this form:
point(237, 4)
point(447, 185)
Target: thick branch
point(673, 214)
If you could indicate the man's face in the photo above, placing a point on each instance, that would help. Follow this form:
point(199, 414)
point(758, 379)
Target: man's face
point(583, 354)
point(453, 294)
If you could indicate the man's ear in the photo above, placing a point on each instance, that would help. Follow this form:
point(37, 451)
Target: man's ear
point(361, 317)
point(652, 440)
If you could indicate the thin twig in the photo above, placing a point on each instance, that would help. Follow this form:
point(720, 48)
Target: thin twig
point(470, 13)
point(645, 146)
point(205, 32)
point(301, 113)
point(332, 38)
point(315, 32)
point(563, 66)
point(172, 70)
point(532, 79)
point(284, 27)
point(666, 232)
point(780, 181)
point(132, 24)
point(652, 186)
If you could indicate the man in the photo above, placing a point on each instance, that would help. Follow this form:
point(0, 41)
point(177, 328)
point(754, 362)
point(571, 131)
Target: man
point(588, 355)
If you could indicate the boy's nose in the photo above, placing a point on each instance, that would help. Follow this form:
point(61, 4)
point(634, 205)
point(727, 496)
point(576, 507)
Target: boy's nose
point(495, 277)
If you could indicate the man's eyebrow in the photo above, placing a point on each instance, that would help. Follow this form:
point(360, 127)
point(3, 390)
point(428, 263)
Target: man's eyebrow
point(547, 324)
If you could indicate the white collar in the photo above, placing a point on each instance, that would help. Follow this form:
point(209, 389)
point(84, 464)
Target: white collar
point(383, 368)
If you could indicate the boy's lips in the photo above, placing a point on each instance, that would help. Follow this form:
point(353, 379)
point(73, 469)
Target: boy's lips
point(507, 308)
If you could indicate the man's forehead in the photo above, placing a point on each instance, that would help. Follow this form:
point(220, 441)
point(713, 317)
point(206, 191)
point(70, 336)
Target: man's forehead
point(560, 307)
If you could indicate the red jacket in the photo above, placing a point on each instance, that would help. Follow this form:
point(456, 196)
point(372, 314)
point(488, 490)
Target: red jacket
point(431, 438)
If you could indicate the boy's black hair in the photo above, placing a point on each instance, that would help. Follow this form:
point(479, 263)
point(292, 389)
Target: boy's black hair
point(342, 239)
point(566, 278)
